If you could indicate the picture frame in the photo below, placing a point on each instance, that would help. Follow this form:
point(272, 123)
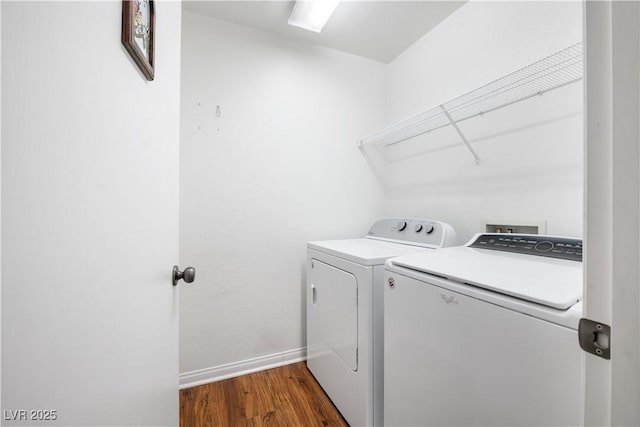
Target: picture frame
point(138, 34)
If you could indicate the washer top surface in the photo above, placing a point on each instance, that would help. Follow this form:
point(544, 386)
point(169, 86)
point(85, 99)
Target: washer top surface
point(545, 280)
point(389, 238)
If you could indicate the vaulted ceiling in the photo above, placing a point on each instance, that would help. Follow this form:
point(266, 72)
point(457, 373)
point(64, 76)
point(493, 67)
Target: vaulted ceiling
point(379, 30)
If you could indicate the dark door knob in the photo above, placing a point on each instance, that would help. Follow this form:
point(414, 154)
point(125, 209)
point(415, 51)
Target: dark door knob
point(188, 275)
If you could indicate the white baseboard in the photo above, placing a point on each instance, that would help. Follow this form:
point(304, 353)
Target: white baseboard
point(243, 367)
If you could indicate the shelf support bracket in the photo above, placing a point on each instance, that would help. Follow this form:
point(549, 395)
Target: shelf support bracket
point(464, 139)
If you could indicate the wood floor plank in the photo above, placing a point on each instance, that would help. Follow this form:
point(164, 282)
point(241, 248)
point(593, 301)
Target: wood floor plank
point(280, 397)
point(318, 406)
point(289, 411)
point(259, 398)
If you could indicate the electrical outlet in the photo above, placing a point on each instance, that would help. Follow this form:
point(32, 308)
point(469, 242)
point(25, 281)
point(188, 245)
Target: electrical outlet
point(512, 228)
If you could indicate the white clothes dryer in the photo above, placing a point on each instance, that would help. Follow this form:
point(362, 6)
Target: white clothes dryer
point(485, 334)
point(345, 310)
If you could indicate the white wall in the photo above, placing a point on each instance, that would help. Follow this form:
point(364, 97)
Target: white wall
point(89, 216)
point(531, 152)
point(0, 193)
point(625, 220)
point(279, 167)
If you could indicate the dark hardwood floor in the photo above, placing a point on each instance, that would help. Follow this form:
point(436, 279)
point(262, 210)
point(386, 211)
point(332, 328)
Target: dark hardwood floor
point(285, 396)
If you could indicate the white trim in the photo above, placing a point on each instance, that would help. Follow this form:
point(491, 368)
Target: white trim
point(243, 367)
point(598, 198)
point(612, 387)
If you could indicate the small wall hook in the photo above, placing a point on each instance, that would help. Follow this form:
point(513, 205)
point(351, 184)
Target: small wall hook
point(218, 113)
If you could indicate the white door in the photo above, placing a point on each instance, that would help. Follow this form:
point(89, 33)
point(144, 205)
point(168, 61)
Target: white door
point(332, 314)
point(89, 218)
point(612, 291)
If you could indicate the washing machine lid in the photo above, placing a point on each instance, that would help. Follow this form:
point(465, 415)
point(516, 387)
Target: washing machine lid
point(366, 252)
point(555, 283)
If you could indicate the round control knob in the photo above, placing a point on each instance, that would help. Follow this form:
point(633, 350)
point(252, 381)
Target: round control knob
point(402, 225)
point(544, 246)
point(418, 228)
point(428, 229)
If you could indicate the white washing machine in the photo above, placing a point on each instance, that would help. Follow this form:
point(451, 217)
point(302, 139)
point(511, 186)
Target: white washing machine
point(485, 334)
point(345, 309)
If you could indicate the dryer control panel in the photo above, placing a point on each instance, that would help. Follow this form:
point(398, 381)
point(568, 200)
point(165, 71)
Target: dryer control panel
point(531, 244)
point(414, 231)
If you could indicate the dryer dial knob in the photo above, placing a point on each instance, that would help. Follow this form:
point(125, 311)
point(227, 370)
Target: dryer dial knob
point(428, 229)
point(402, 225)
point(418, 228)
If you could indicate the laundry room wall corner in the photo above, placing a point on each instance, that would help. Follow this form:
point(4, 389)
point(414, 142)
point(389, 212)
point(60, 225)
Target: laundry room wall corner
point(531, 152)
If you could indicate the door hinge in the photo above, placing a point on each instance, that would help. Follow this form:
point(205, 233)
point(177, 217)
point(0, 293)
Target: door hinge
point(595, 338)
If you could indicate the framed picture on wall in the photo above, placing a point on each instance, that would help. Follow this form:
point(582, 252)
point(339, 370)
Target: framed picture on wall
point(138, 33)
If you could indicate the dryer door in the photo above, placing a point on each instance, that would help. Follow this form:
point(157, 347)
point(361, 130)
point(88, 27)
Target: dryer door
point(333, 309)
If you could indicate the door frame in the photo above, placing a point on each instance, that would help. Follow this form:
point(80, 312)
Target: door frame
point(612, 207)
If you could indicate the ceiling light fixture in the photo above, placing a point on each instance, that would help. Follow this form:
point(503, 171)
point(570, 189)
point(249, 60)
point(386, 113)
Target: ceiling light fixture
point(312, 14)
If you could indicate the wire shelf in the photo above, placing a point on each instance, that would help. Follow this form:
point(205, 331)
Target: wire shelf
point(555, 71)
